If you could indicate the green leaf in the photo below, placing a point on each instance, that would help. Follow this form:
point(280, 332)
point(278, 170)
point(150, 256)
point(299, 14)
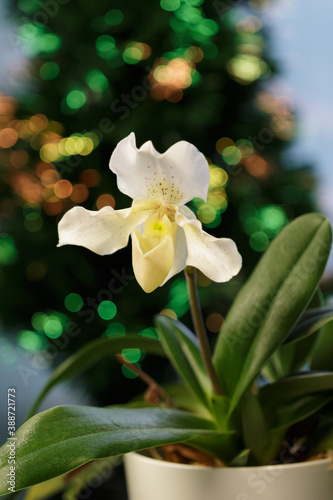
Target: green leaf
point(311, 322)
point(241, 459)
point(223, 445)
point(63, 438)
point(271, 302)
point(298, 410)
point(181, 347)
point(90, 354)
point(184, 399)
point(254, 425)
point(289, 358)
point(292, 357)
point(322, 358)
point(46, 489)
point(296, 386)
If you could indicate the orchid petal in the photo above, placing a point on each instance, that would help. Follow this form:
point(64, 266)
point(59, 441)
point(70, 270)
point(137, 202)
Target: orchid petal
point(216, 258)
point(176, 176)
point(179, 261)
point(151, 266)
point(104, 231)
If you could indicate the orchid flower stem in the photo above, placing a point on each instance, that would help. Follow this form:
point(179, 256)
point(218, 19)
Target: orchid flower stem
point(199, 326)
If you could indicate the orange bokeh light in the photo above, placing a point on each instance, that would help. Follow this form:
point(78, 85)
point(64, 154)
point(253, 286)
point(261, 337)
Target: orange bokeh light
point(63, 189)
point(8, 137)
point(38, 123)
point(52, 208)
point(90, 177)
point(80, 193)
point(169, 77)
point(18, 158)
point(49, 177)
point(105, 200)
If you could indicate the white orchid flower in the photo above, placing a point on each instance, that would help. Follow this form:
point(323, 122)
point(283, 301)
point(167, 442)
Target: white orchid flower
point(166, 235)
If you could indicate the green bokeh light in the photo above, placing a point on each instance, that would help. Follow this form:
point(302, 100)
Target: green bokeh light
point(50, 43)
point(30, 341)
point(53, 327)
point(195, 3)
point(73, 302)
point(8, 252)
point(114, 17)
point(272, 217)
point(28, 6)
point(32, 216)
point(128, 373)
point(170, 5)
point(38, 321)
point(208, 27)
point(107, 310)
point(31, 208)
point(33, 225)
point(190, 15)
point(216, 222)
point(252, 225)
point(131, 54)
point(106, 47)
point(231, 155)
point(30, 36)
point(259, 241)
point(115, 329)
point(150, 333)
point(131, 355)
point(49, 70)
point(97, 81)
point(178, 298)
point(76, 99)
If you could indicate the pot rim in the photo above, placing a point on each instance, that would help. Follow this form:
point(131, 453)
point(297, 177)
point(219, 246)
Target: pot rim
point(144, 458)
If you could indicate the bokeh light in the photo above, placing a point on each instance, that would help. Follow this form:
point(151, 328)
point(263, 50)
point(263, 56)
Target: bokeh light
point(115, 329)
point(105, 200)
point(49, 70)
point(114, 17)
point(73, 302)
point(259, 241)
point(128, 373)
point(76, 99)
point(131, 355)
point(63, 189)
point(107, 310)
point(53, 327)
point(97, 81)
point(30, 340)
point(214, 322)
point(8, 251)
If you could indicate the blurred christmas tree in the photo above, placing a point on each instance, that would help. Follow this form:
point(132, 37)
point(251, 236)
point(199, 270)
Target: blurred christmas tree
point(170, 70)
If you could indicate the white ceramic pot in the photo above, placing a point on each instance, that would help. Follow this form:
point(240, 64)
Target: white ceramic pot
point(150, 479)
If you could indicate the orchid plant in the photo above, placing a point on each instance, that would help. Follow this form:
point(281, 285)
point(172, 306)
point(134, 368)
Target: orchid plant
point(269, 382)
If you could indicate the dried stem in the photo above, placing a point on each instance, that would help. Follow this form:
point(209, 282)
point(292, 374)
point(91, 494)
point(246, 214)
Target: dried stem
point(153, 386)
